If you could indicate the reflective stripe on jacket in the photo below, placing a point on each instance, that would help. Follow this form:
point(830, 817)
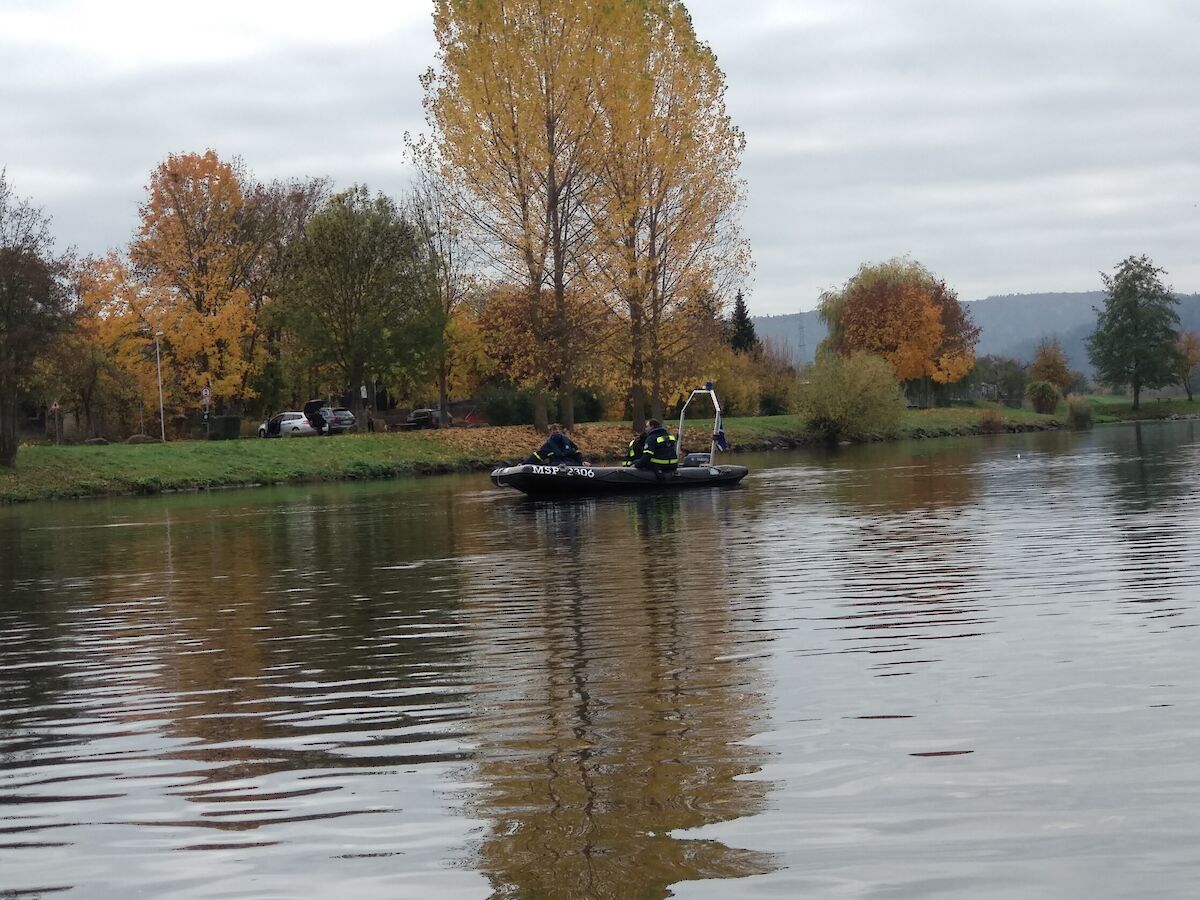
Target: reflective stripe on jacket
point(558, 449)
point(659, 452)
point(634, 451)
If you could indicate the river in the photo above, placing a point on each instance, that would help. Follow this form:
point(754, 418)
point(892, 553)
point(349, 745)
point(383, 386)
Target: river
point(933, 669)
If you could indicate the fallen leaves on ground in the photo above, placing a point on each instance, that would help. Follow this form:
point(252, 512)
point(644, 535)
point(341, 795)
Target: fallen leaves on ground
point(597, 441)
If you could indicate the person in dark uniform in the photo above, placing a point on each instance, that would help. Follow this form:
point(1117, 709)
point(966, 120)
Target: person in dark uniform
point(659, 453)
point(559, 450)
point(634, 451)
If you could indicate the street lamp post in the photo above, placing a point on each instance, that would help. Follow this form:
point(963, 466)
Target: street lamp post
point(162, 419)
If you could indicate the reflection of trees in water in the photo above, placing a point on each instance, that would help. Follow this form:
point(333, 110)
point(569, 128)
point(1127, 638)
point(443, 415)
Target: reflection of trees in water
point(942, 479)
point(611, 720)
point(271, 638)
point(337, 628)
point(1149, 467)
point(1151, 493)
point(31, 642)
point(902, 562)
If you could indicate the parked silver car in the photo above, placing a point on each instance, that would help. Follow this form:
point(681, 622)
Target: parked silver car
point(286, 424)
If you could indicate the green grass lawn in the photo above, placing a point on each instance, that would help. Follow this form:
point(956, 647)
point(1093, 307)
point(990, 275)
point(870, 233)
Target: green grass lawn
point(1106, 408)
point(46, 472)
point(77, 471)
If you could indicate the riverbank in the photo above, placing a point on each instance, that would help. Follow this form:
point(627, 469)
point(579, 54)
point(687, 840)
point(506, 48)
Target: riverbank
point(48, 472)
point(1117, 409)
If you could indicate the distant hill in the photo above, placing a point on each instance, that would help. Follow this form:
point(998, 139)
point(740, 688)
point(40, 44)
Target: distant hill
point(1010, 325)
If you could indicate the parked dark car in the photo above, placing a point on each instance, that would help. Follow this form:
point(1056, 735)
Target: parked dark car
point(326, 419)
point(428, 418)
point(338, 419)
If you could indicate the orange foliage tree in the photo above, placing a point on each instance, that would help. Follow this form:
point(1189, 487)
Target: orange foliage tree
point(1050, 364)
point(900, 311)
point(210, 246)
point(1187, 349)
point(190, 252)
point(514, 344)
point(108, 361)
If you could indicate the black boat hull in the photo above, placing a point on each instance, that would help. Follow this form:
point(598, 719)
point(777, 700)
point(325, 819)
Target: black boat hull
point(595, 481)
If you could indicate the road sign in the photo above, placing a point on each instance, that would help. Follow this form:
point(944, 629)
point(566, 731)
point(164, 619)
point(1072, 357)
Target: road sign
point(205, 394)
point(54, 406)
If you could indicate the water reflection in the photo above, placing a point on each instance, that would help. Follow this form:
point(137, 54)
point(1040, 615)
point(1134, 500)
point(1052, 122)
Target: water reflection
point(1147, 473)
point(622, 709)
point(430, 687)
point(250, 663)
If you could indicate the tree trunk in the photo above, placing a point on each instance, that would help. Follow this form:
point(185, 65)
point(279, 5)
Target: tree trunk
point(8, 426)
point(1137, 394)
point(356, 403)
point(540, 419)
point(656, 402)
point(637, 367)
point(443, 392)
point(566, 403)
point(1187, 386)
point(637, 405)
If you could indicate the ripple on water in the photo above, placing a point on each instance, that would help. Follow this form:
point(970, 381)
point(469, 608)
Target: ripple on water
point(911, 670)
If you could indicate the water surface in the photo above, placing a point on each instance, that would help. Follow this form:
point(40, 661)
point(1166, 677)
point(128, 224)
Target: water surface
point(946, 668)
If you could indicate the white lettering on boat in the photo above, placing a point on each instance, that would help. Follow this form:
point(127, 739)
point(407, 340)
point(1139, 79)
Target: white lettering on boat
point(566, 471)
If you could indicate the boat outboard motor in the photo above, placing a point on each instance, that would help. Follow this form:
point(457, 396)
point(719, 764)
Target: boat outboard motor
point(695, 460)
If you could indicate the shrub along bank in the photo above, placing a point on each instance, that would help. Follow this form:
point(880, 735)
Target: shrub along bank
point(46, 472)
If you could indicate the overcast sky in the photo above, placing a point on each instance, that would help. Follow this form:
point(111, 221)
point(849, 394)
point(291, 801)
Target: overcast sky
point(1012, 147)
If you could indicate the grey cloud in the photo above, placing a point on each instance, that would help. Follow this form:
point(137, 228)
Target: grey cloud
point(1011, 147)
point(85, 147)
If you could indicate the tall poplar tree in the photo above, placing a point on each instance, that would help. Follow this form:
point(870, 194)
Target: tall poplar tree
point(667, 198)
point(513, 113)
point(1137, 331)
point(436, 213)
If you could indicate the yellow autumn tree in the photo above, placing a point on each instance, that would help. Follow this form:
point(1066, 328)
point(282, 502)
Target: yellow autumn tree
point(112, 361)
point(192, 251)
point(513, 113)
point(1050, 364)
point(667, 197)
point(900, 311)
point(1187, 355)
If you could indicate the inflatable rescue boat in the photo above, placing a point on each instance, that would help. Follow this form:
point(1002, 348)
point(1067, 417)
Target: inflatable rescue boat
point(698, 469)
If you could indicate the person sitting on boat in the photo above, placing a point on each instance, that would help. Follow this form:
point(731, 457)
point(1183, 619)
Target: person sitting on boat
point(559, 450)
point(659, 453)
point(634, 451)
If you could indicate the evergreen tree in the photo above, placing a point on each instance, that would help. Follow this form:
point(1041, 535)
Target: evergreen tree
point(1137, 330)
point(742, 337)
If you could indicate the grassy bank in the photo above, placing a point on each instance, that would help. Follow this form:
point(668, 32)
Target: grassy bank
point(45, 472)
point(1118, 409)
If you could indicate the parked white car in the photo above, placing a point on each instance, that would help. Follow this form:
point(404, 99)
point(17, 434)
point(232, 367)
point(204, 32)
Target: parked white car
point(286, 424)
